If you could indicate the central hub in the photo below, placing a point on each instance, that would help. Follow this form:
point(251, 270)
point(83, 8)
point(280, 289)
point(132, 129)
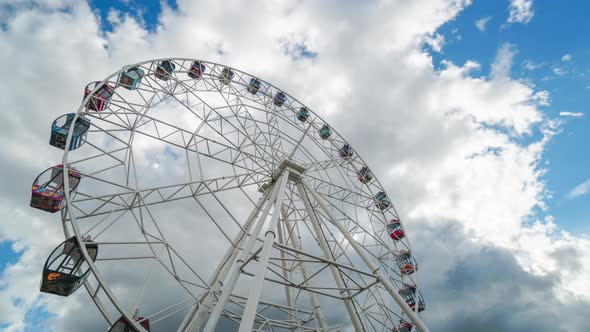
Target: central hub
point(295, 171)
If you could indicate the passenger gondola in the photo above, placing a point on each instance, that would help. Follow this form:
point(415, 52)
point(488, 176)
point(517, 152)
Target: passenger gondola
point(47, 192)
point(61, 127)
point(65, 269)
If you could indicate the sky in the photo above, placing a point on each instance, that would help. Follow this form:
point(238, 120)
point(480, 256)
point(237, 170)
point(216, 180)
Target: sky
point(473, 114)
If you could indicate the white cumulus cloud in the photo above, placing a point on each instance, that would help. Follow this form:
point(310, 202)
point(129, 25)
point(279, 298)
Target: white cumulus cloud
point(572, 114)
point(503, 62)
point(482, 22)
point(580, 190)
point(521, 11)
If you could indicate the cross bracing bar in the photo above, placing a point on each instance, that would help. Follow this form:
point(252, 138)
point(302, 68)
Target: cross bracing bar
point(286, 272)
point(374, 268)
point(130, 200)
point(294, 237)
point(219, 128)
point(198, 311)
point(231, 278)
point(181, 138)
point(352, 314)
point(256, 289)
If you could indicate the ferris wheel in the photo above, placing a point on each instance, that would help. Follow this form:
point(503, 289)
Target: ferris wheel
point(197, 197)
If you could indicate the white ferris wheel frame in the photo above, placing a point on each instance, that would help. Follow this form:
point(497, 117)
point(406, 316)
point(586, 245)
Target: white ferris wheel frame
point(272, 199)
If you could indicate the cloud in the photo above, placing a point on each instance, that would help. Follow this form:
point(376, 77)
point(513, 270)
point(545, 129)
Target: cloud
point(485, 277)
point(521, 11)
point(503, 62)
point(482, 22)
point(559, 71)
point(531, 65)
point(435, 41)
point(566, 58)
point(542, 98)
point(579, 190)
point(572, 114)
point(460, 162)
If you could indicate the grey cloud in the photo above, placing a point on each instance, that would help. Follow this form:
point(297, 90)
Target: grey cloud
point(486, 289)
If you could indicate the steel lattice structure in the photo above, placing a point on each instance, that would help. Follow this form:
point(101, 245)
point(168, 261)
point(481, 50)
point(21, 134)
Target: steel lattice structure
point(183, 171)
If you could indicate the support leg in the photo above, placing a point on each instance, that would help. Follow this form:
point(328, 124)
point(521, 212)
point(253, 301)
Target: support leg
point(233, 273)
point(365, 257)
point(328, 254)
point(200, 309)
point(249, 314)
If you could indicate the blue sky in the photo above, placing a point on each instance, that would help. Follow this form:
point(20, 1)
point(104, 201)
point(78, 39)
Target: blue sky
point(7, 255)
point(555, 31)
point(147, 11)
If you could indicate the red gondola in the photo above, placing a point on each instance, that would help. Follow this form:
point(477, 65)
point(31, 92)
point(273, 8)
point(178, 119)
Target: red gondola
point(197, 69)
point(364, 175)
point(123, 325)
point(99, 101)
point(395, 230)
point(404, 327)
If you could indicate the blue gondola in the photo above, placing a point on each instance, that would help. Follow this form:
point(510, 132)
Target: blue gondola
point(197, 69)
point(303, 114)
point(410, 296)
point(165, 69)
point(131, 77)
point(382, 201)
point(325, 132)
point(254, 86)
point(65, 271)
point(60, 128)
point(345, 151)
point(279, 99)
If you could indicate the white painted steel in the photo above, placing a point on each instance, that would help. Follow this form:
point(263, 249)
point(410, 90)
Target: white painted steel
point(374, 268)
point(233, 274)
point(352, 314)
point(253, 140)
point(269, 237)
